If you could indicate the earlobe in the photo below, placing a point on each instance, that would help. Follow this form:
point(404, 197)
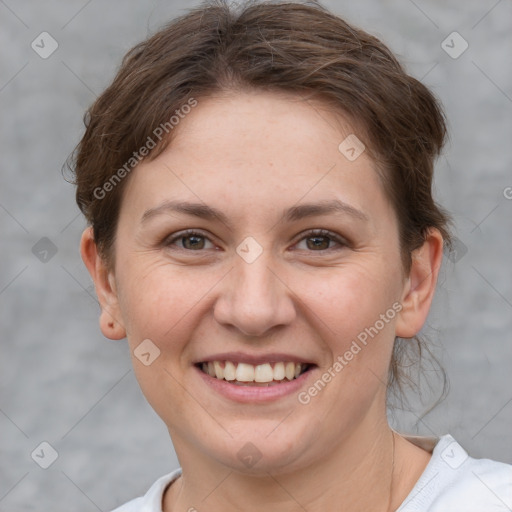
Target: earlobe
point(420, 285)
point(110, 327)
point(111, 324)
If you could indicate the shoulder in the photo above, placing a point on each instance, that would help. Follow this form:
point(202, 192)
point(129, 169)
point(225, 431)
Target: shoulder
point(456, 482)
point(152, 500)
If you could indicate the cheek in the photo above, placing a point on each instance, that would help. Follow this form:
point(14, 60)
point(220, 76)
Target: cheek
point(354, 318)
point(348, 299)
point(158, 301)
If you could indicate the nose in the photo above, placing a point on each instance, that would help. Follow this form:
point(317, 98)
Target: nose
point(254, 299)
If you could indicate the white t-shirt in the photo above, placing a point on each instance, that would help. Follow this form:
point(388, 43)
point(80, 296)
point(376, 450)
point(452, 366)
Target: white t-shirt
point(451, 482)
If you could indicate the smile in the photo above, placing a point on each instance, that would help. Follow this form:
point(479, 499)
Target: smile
point(244, 374)
point(270, 378)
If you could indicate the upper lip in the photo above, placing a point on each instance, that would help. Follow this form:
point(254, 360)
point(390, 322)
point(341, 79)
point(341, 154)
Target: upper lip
point(254, 359)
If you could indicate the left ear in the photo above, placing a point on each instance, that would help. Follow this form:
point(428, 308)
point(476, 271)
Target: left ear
point(420, 285)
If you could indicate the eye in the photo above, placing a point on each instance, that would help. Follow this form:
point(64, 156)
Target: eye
point(189, 240)
point(319, 240)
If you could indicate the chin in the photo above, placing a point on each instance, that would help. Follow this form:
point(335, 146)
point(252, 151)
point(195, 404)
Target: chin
point(259, 450)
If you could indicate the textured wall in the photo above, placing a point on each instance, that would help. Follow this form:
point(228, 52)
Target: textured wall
point(63, 383)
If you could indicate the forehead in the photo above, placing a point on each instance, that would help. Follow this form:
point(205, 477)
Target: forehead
point(259, 149)
point(265, 125)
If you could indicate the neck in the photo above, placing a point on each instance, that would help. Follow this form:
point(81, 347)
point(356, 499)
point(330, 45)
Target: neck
point(358, 474)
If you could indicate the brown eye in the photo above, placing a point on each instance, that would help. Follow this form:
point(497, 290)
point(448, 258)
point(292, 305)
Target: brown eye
point(318, 242)
point(322, 240)
point(192, 242)
point(188, 240)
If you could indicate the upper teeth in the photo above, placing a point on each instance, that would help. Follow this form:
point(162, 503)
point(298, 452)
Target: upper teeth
point(243, 372)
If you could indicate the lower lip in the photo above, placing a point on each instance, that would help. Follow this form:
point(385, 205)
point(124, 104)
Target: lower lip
point(253, 394)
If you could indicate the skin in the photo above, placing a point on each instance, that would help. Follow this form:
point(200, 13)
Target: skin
point(252, 155)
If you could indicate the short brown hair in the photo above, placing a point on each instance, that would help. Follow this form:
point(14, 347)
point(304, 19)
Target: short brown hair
point(295, 47)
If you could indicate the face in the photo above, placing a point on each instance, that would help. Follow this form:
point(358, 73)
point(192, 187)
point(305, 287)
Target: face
point(221, 256)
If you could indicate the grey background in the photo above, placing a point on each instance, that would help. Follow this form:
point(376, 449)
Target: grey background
point(63, 383)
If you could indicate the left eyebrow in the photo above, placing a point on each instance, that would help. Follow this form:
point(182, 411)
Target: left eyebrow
point(302, 211)
point(293, 214)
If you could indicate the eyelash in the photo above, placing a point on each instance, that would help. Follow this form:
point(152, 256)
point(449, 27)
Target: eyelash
point(309, 234)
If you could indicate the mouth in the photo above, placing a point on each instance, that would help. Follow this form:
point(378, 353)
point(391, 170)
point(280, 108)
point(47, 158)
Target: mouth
point(260, 375)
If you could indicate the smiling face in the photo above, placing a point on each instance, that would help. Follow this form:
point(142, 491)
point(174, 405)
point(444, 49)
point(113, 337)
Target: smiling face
point(260, 278)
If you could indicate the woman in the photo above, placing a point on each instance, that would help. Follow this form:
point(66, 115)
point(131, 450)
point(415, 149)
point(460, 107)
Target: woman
point(263, 232)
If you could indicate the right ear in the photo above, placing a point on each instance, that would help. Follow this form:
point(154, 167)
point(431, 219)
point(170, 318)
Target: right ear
point(111, 323)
